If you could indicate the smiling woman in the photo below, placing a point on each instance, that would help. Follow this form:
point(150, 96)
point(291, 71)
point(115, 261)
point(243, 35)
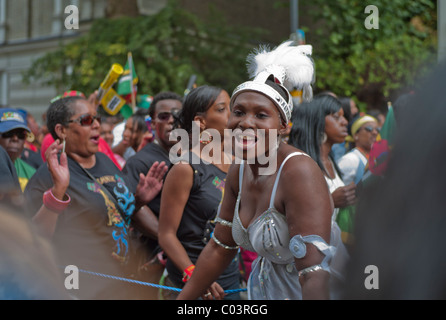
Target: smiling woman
point(193, 190)
point(289, 265)
point(258, 122)
point(87, 208)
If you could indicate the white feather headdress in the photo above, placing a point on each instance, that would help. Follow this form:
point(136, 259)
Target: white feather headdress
point(290, 65)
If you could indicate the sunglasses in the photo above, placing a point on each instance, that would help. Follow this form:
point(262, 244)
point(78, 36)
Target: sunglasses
point(21, 134)
point(370, 129)
point(86, 120)
point(165, 116)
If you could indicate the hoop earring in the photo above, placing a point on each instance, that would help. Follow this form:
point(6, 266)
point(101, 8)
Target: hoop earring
point(205, 137)
point(30, 137)
point(324, 138)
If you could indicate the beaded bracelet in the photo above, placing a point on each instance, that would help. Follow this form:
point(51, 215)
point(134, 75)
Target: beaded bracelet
point(187, 273)
point(54, 204)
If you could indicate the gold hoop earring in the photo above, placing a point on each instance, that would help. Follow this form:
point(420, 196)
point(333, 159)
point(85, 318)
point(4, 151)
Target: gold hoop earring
point(205, 137)
point(30, 137)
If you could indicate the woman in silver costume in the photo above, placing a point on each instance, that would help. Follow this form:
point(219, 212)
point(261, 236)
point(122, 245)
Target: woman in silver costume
point(284, 215)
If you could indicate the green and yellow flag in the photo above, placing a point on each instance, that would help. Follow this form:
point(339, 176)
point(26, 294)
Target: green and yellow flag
point(128, 79)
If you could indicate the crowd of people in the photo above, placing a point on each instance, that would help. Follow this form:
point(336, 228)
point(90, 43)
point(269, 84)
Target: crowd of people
point(103, 194)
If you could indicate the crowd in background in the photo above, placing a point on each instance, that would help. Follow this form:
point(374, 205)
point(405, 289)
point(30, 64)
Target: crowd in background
point(103, 192)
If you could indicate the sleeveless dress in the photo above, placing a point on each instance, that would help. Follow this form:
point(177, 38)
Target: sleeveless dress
point(333, 184)
point(274, 275)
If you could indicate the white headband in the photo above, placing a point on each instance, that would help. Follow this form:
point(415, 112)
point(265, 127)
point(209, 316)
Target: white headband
point(259, 85)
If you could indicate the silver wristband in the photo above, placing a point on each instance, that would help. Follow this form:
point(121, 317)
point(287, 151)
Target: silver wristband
point(310, 269)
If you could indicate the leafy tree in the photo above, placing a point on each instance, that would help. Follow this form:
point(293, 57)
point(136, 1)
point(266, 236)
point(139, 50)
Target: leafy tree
point(374, 64)
point(167, 49)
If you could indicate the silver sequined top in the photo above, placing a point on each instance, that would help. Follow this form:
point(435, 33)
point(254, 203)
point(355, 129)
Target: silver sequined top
point(274, 274)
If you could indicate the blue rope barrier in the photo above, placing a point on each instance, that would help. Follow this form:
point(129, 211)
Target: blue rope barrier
point(147, 283)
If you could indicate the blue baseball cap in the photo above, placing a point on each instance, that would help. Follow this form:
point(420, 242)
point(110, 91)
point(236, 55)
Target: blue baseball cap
point(11, 119)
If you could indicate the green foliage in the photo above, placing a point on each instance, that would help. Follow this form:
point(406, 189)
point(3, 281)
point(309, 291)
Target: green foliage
point(350, 58)
point(167, 49)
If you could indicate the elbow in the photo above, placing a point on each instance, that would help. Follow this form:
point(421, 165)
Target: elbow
point(164, 239)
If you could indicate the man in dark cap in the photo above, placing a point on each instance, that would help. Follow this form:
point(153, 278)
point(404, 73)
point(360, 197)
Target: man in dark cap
point(13, 133)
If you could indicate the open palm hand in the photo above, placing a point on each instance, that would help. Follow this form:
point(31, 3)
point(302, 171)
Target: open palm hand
point(150, 185)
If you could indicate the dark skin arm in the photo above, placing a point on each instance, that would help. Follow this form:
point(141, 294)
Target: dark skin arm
point(308, 208)
point(176, 191)
point(146, 222)
point(45, 219)
point(214, 259)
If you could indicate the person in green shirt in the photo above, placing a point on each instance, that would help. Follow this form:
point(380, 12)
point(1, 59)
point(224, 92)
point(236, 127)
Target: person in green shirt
point(14, 131)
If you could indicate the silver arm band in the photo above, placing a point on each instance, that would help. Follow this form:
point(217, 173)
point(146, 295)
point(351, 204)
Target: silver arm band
point(298, 248)
point(310, 269)
point(225, 223)
point(222, 244)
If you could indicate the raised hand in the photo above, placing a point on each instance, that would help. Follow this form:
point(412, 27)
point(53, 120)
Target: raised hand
point(58, 168)
point(150, 185)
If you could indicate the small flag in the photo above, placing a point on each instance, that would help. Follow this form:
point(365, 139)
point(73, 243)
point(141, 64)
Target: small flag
point(127, 83)
point(128, 79)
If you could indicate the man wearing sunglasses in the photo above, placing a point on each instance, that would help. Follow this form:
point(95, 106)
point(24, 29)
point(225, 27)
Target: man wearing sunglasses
point(163, 106)
point(161, 111)
point(14, 131)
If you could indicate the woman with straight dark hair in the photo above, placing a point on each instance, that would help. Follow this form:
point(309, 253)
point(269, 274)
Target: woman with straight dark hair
point(351, 113)
point(193, 190)
point(317, 126)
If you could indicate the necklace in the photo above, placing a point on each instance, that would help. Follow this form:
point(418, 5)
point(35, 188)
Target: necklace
point(326, 171)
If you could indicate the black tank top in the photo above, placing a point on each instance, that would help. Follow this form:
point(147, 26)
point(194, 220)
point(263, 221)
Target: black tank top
point(197, 222)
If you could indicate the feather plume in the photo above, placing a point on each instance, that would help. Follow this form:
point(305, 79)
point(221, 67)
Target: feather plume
point(290, 64)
